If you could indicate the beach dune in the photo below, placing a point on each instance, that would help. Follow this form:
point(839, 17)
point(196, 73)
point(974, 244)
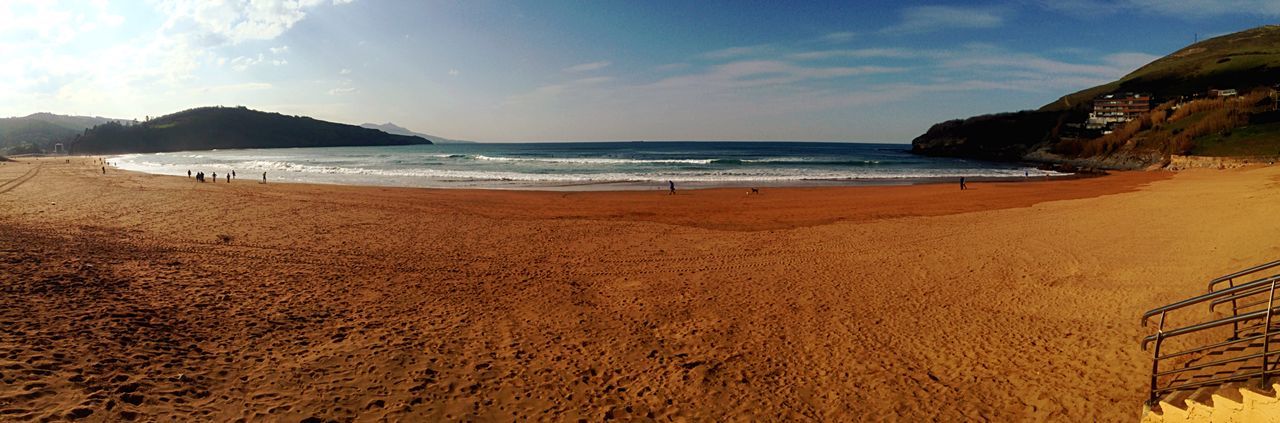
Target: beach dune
point(130, 296)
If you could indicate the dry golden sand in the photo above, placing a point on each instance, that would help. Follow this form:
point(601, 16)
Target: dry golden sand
point(136, 296)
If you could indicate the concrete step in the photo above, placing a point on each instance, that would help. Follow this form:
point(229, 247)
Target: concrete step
point(1229, 395)
point(1175, 401)
point(1202, 397)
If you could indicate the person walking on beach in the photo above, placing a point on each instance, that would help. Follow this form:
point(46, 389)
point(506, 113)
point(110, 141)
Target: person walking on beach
point(215, 178)
point(104, 170)
point(962, 186)
point(188, 173)
point(672, 184)
point(228, 178)
point(264, 177)
point(233, 173)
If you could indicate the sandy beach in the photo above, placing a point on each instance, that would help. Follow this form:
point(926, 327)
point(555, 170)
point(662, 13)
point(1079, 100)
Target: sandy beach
point(129, 296)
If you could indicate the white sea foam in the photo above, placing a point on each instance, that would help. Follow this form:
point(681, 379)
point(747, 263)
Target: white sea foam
point(440, 169)
point(593, 160)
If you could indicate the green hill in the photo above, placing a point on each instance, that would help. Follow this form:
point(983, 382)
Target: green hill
point(38, 132)
point(210, 128)
point(1247, 61)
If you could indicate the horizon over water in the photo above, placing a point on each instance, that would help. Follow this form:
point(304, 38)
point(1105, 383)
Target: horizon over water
point(585, 165)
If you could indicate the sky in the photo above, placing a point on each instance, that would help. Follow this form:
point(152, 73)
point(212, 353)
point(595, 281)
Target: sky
point(550, 70)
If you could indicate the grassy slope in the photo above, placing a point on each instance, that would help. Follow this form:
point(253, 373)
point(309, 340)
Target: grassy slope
point(1252, 140)
point(1243, 59)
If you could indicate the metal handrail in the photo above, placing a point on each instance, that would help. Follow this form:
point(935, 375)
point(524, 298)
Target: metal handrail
point(1202, 326)
point(1254, 269)
point(1216, 363)
point(1231, 294)
point(1206, 297)
point(1210, 347)
point(1213, 305)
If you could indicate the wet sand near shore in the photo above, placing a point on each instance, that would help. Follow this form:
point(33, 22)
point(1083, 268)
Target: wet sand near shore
point(130, 296)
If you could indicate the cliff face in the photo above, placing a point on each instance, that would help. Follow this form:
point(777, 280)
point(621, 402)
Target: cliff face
point(1245, 61)
point(1006, 136)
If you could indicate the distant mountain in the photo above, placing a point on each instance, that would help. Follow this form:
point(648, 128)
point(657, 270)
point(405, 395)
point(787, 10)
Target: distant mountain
point(1247, 61)
point(38, 132)
point(392, 128)
point(210, 128)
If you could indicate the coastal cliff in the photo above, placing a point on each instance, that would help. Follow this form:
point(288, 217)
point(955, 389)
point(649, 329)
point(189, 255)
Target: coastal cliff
point(1237, 122)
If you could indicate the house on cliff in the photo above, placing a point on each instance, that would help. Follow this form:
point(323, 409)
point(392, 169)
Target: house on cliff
point(1111, 109)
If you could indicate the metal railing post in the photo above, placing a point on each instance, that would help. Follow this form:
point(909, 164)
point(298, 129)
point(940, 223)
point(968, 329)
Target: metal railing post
point(1155, 361)
point(1266, 334)
point(1235, 311)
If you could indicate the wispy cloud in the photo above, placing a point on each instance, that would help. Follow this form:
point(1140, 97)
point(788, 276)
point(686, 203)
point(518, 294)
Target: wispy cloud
point(588, 67)
point(242, 63)
point(865, 53)
point(755, 73)
point(838, 37)
point(1185, 9)
point(740, 51)
point(342, 90)
point(670, 67)
point(936, 18)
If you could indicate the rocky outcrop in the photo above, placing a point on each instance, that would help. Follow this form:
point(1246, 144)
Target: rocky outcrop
point(1177, 162)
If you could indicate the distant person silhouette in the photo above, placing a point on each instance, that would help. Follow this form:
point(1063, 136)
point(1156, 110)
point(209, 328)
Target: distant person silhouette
point(264, 177)
point(188, 173)
point(215, 178)
point(228, 179)
point(962, 185)
point(672, 184)
point(233, 173)
point(104, 170)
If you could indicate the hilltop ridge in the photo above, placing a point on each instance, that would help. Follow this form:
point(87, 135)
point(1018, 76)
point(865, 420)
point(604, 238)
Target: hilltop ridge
point(209, 128)
point(1246, 62)
point(38, 132)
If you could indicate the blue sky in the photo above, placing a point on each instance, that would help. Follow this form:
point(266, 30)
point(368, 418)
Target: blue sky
point(591, 70)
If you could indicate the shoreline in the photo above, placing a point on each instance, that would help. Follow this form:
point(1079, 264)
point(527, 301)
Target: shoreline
point(283, 301)
point(528, 168)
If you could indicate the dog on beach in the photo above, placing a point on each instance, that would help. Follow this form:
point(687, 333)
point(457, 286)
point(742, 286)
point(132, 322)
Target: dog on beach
point(754, 191)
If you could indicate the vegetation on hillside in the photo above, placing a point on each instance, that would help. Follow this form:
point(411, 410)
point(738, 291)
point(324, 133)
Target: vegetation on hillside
point(37, 133)
point(1249, 58)
point(1248, 61)
point(229, 127)
point(1181, 128)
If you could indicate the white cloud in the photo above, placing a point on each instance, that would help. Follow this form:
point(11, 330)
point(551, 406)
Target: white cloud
point(454, 72)
point(279, 50)
point(248, 86)
point(344, 71)
point(342, 90)
point(234, 21)
point(587, 67)
point(936, 18)
point(242, 63)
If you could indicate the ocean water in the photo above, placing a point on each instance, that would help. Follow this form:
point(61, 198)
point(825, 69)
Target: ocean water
point(583, 165)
